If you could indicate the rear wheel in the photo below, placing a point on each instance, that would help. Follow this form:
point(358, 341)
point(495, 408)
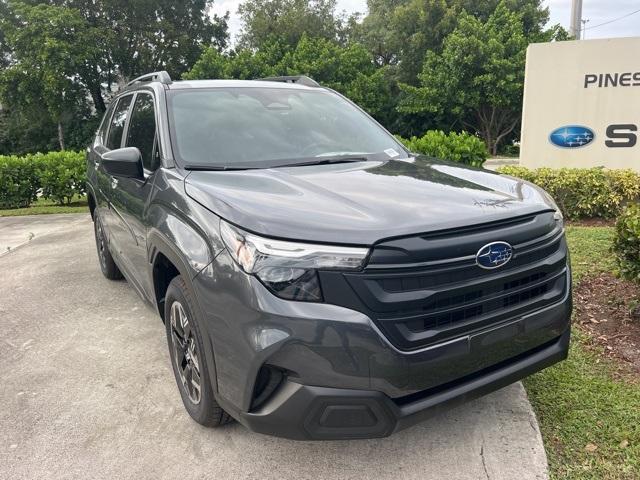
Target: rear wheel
point(187, 359)
point(107, 264)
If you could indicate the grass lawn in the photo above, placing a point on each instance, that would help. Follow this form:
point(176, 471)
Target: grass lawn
point(590, 419)
point(42, 207)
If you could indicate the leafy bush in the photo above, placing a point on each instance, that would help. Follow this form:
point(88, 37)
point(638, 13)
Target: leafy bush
point(626, 243)
point(19, 182)
point(58, 176)
point(62, 175)
point(584, 192)
point(458, 147)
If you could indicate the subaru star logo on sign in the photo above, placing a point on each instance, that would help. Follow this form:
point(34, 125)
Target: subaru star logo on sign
point(494, 255)
point(571, 136)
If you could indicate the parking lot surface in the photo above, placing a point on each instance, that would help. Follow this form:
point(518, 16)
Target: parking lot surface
point(87, 391)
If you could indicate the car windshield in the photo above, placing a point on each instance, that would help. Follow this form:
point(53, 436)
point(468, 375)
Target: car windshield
point(270, 127)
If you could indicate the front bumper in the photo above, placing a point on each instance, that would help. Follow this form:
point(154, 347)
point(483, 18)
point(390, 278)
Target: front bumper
point(343, 378)
point(303, 412)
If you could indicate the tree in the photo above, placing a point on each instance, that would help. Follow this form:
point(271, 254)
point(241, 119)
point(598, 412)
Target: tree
point(60, 59)
point(286, 21)
point(399, 32)
point(479, 76)
point(136, 37)
point(48, 46)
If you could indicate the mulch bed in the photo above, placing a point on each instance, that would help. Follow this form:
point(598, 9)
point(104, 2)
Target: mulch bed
point(608, 308)
point(592, 222)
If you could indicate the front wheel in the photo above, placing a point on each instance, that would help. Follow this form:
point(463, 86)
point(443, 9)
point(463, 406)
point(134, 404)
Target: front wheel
point(187, 356)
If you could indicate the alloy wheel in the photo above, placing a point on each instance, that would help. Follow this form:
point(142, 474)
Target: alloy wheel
point(185, 352)
point(102, 245)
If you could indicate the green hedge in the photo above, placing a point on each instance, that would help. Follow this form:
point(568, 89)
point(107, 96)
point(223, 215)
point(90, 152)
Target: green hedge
point(458, 147)
point(584, 192)
point(626, 243)
point(58, 176)
point(19, 182)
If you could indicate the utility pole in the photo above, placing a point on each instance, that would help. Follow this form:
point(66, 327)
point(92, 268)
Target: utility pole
point(576, 19)
point(584, 28)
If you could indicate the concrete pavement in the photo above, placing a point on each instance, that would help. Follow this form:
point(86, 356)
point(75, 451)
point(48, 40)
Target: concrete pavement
point(87, 392)
point(496, 162)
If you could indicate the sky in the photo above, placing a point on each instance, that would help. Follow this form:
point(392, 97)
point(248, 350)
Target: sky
point(596, 11)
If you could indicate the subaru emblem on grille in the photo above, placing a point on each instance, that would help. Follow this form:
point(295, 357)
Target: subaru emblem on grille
point(494, 255)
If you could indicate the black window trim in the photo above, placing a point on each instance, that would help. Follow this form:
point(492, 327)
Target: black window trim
point(105, 124)
point(125, 133)
point(126, 123)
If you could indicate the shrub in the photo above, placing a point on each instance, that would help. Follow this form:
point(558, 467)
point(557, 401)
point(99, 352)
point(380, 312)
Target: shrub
point(19, 182)
point(458, 147)
point(584, 192)
point(58, 176)
point(626, 243)
point(62, 175)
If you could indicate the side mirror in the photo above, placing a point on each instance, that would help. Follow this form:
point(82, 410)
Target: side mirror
point(123, 162)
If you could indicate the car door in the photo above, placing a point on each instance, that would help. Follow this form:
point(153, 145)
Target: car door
point(130, 195)
point(106, 181)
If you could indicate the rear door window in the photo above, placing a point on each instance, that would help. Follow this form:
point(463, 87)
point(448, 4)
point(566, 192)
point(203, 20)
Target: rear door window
point(114, 138)
point(101, 136)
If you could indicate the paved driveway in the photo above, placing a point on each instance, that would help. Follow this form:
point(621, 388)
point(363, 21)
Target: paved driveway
point(87, 391)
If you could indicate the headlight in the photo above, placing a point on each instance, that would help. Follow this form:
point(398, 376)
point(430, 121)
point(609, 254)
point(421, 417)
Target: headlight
point(288, 269)
point(559, 218)
point(557, 215)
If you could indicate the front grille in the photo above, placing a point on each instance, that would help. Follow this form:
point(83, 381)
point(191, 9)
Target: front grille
point(433, 296)
point(491, 298)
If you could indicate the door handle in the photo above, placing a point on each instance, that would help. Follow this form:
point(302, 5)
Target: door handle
point(114, 182)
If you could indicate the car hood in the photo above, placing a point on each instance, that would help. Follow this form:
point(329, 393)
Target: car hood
point(365, 202)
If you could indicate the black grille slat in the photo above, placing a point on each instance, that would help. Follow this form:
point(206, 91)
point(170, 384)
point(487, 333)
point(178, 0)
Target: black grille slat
point(508, 297)
point(481, 297)
point(396, 280)
point(384, 303)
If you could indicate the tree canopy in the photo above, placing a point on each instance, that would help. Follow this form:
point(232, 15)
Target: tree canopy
point(57, 54)
point(287, 21)
point(478, 76)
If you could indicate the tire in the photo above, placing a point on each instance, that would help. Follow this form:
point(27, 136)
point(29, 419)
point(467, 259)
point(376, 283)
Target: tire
point(184, 338)
point(107, 264)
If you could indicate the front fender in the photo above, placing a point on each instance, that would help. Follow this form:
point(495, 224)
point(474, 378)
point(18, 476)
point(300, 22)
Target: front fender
point(186, 247)
point(181, 243)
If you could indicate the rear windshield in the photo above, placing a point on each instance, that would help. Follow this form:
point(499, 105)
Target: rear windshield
point(250, 126)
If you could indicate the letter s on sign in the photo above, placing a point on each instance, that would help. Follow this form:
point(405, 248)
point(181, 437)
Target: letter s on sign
point(621, 132)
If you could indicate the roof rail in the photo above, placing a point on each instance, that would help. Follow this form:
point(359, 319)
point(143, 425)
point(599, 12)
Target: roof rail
point(161, 76)
point(299, 79)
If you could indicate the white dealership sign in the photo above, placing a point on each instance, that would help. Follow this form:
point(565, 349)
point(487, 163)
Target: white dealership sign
point(582, 104)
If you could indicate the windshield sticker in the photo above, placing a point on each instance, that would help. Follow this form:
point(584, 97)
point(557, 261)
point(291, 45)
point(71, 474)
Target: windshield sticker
point(391, 152)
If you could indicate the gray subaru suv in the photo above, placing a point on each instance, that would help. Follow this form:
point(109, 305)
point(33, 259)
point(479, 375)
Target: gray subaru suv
point(317, 280)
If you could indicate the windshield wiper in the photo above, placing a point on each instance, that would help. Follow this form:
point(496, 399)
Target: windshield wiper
point(323, 161)
point(276, 164)
point(217, 168)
